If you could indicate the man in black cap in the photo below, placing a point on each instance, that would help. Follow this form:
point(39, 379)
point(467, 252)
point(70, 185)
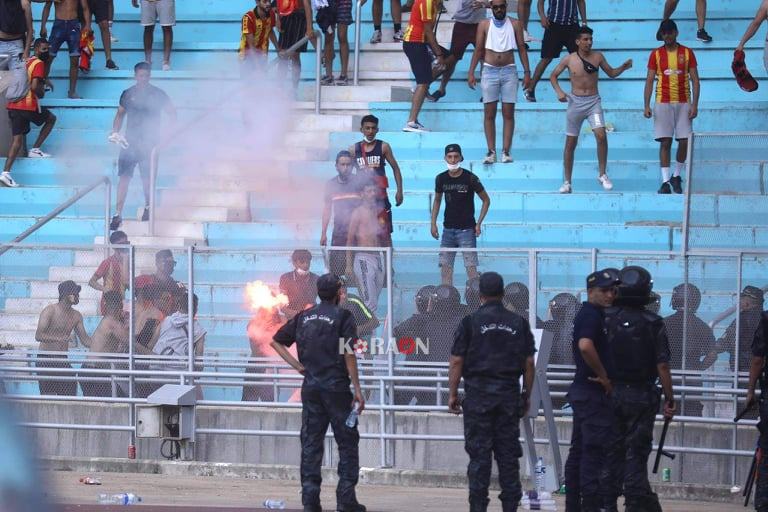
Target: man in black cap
point(639, 354)
point(459, 226)
point(319, 333)
point(750, 312)
point(588, 395)
point(54, 330)
point(493, 347)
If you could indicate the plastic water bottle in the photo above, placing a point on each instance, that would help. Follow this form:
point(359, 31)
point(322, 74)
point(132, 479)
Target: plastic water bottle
point(124, 498)
point(274, 504)
point(535, 495)
point(539, 474)
point(536, 505)
point(353, 414)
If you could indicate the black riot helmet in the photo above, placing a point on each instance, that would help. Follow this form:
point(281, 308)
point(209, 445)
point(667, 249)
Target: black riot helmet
point(446, 296)
point(679, 293)
point(562, 306)
point(635, 286)
point(516, 297)
point(654, 303)
point(423, 296)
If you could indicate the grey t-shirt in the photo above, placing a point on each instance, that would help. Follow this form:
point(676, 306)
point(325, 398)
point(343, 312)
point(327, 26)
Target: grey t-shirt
point(467, 14)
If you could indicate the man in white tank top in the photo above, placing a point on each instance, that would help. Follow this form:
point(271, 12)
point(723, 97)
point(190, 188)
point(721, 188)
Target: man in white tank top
point(497, 40)
point(760, 16)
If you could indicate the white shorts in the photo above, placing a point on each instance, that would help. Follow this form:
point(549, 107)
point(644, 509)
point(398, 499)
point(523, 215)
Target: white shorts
point(671, 121)
point(581, 108)
point(369, 273)
point(163, 11)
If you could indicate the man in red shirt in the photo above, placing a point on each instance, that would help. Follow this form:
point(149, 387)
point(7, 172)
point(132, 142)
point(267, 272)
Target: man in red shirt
point(28, 110)
point(420, 34)
point(256, 34)
point(113, 271)
point(673, 66)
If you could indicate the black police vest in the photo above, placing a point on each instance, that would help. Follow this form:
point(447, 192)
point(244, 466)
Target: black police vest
point(631, 345)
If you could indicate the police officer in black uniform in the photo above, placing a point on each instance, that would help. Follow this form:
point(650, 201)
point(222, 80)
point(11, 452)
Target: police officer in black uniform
point(639, 354)
point(493, 347)
point(325, 393)
point(588, 395)
point(759, 372)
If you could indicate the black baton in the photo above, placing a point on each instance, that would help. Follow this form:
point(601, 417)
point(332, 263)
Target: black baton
point(660, 450)
point(751, 478)
point(743, 412)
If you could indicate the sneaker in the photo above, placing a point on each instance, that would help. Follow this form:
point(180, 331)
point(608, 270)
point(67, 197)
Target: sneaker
point(665, 188)
point(605, 181)
point(434, 96)
point(565, 188)
point(702, 35)
point(376, 37)
point(166, 66)
point(414, 127)
point(145, 214)
point(677, 184)
point(530, 96)
point(115, 223)
point(343, 80)
point(327, 80)
point(490, 157)
point(111, 65)
point(527, 37)
point(505, 158)
point(5, 179)
point(398, 36)
point(113, 38)
point(37, 153)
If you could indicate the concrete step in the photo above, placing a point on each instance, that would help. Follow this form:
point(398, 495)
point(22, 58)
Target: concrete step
point(35, 306)
point(92, 259)
point(183, 196)
point(157, 241)
point(20, 339)
point(198, 213)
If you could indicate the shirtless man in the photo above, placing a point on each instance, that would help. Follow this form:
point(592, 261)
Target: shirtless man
point(496, 43)
point(365, 230)
point(760, 16)
point(110, 337)
point(54, 330)
point(66, 28)
point(584, 102)
point(147, 327)
point(16, 39)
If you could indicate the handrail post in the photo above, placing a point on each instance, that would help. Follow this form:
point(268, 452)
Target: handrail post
point(318, 66)
point(358, 29)
point(152, 189)
point(107, 211)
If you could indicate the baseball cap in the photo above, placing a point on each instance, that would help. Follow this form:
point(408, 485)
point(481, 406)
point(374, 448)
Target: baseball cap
point(69, 288)
point(491, 284)
point(602, 279)
point(328, 285)
point(454, 148)
point(753, 292)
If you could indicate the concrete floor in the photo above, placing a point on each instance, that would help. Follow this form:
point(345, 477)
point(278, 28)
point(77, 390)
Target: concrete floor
point(205, 493)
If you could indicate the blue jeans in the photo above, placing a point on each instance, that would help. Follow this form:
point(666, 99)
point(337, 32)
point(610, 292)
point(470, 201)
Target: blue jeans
point(13, 49)
point(458, 238)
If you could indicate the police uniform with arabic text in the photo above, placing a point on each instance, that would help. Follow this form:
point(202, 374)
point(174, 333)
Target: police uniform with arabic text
point(325, 394)
point(495, 345)
point(639, 350)
point(759, 353)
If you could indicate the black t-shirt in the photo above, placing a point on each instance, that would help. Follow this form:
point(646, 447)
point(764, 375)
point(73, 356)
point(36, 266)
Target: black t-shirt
point(749, 321)
point(495, 344)
point(760, 347)
point(300, 290)
point(700, 342)
point(589, 323)
point(316, 332)
point(144, 107)
point(343, 197)
point(459, 194)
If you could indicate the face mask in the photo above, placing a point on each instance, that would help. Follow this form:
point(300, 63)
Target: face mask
point(302, 272)
point(369, 139)
point(44, 56)
point(453, 167)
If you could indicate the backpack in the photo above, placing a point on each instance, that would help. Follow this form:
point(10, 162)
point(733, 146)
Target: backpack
point(12, 18)
point(19, 85)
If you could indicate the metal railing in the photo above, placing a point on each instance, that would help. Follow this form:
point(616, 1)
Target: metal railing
point(63, 206)
point(358, 28)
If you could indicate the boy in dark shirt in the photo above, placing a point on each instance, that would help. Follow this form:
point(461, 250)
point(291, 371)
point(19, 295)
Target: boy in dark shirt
point(459, 226)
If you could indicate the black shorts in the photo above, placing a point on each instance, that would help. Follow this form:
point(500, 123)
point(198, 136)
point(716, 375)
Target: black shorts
point(292, 28)
point(99, 9)
point(337, 12)
point(21, 119)
point(130, 158)
point(556, 37)
point(463, 35)
point(421, 65)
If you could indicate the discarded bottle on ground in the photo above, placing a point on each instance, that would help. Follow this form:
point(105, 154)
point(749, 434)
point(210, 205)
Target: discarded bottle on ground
point(89, 480)
point(274, 504)
point(540, 473)
point(353, 414)
point(124, 498)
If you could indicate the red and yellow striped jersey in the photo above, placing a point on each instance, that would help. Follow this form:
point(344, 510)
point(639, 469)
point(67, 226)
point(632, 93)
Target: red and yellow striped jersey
point(421, 12)
point(35, 69)
point(672, 73)
point(259, 27)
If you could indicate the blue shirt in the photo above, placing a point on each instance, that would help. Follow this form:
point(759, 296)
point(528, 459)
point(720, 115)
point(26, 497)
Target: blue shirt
point(563, 12)
point(589, 323)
